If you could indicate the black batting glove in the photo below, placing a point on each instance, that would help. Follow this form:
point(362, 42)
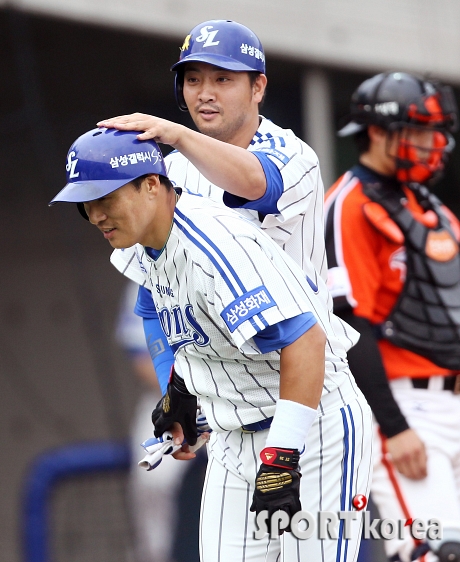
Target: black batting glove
point(177, 405)
point(277, 483)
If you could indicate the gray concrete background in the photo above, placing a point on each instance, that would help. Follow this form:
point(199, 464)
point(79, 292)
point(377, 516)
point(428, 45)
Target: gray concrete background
point(417, 35)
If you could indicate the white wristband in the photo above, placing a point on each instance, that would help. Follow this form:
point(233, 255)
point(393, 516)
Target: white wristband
point(291, 424)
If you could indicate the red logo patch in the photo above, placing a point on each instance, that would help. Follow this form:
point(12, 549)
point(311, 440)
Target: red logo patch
point(359, 502)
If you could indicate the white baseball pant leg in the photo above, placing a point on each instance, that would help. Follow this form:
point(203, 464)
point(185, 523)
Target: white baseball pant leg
point(335, 467)
point(435, 416)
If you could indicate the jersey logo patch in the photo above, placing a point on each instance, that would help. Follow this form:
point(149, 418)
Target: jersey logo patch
point(181, 327)
point(440, 246)
point(276, 154)
point(247, 306)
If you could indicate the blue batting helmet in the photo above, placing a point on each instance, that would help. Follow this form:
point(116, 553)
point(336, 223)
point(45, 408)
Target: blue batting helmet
point(223, 43)
point(102, 160)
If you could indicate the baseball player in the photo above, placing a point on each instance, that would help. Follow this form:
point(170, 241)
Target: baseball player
point(240, 157)
point(254, 340)
point(395, 276)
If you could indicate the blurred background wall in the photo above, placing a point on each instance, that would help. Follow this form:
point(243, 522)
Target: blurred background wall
point(66, 65)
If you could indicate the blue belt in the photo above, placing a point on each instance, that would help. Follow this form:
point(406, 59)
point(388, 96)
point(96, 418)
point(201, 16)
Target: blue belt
point(257, 426)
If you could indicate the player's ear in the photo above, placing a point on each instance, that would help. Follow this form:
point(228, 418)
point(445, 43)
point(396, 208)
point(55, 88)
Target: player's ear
point(152, 183)
point(258, 88)
point(376, 134)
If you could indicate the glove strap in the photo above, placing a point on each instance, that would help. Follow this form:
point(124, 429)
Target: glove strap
point(281, 458)
point(177, 382)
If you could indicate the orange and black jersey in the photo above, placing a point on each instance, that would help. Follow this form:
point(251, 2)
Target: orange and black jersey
point(366, 259)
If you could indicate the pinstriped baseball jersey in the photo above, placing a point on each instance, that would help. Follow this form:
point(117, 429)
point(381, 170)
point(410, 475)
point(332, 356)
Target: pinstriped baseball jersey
point(218, 282)
point(298, 227)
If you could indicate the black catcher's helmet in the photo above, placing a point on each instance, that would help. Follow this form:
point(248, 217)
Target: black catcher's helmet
point(397, 99)
point(398, 102)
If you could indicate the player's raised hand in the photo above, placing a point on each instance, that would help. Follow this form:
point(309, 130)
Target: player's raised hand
point(407, 452)
point(161, 130)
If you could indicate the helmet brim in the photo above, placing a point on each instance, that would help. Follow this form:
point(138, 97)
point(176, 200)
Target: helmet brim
point(83, 191)
point(221, 61)
point(350, 129)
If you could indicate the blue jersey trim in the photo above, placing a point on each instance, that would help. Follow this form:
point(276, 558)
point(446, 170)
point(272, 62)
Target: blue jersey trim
point(208, 253)
point(154, 254)
point(145, 306)
point(236, 291)
point(268, 203)
point(284, 333)
point(268, 137)
point(312, 285)
point(347, 479)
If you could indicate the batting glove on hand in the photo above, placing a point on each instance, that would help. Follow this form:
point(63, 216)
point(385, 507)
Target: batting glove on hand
point(177, 405)
point(277, 484)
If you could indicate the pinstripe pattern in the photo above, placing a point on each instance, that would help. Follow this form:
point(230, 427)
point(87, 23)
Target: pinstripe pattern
point(348, 472)
point(320, 472)
point(298, 227)
point(210, 260)
point(197, 269)
point(237, 384)
point(337, 451)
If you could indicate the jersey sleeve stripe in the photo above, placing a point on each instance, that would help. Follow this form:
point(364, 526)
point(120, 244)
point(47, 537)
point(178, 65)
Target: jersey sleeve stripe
point(216, 257)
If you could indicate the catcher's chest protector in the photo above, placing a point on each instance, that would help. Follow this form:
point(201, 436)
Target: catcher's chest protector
point(426, 316)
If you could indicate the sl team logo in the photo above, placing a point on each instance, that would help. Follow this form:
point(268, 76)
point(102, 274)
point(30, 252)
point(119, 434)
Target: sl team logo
point(71, 164)
point(207, 38)
point(329, 525)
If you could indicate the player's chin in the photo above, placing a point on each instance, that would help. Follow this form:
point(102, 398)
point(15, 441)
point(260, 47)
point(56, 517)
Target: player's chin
point(120, 239)
point(208, 126)
point(119, 243)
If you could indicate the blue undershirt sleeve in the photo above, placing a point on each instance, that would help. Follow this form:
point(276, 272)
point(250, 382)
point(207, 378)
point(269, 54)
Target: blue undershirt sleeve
point(284, 333)
point(268, 203)
point(160, 352)
point(144, 305)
